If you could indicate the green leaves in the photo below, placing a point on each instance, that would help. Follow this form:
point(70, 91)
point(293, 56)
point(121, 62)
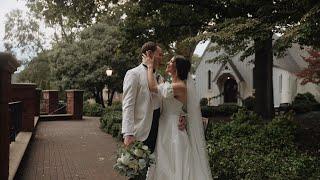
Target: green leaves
point(37, 71)
point(23, 34)
point(246, 148)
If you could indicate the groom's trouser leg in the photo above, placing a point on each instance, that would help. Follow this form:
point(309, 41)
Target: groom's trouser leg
point(152, 137)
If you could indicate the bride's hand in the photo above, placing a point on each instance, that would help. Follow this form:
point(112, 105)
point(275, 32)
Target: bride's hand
point(149, 59)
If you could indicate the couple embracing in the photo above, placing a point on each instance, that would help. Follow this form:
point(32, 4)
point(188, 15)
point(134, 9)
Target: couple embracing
point(154, 114)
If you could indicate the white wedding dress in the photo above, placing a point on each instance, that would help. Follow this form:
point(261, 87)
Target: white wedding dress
point(177, 153)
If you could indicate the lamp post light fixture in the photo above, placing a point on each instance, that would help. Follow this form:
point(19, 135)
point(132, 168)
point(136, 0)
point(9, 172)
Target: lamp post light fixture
point(109, 72)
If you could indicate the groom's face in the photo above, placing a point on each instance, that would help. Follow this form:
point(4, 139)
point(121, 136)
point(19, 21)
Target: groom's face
point(158, 55)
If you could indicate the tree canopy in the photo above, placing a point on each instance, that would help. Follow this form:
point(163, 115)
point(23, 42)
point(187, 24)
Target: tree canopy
point(83, 63)
point(22, 34)
point(311, 74)
point(245, 26)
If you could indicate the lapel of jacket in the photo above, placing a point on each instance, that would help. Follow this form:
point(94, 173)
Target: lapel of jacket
point(144, 78)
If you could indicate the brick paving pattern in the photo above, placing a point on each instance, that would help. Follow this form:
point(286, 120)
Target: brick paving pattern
point(69, 150)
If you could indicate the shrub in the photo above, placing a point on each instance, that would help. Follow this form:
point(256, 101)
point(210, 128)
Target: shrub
point(92, 109)
point(110, 122)
point(248, 148)
point(110, 118)
point(226, 109)
point(204, 102)
point(116, 106)
point(249, 103)
point(304, 103)
point(116, 127)
point(316, 107)
point(207, 111)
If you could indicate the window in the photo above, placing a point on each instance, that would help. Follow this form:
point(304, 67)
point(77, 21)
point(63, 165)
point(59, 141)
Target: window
point(280, 83)
point(209, 79)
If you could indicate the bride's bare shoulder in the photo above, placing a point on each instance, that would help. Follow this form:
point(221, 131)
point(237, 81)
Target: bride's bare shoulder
point(179, 87)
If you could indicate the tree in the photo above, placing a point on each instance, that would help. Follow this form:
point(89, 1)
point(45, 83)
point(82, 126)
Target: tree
point(236, 24)
point(167, 24)
point(233, 24)
point(196, 60)
point(143, 21)
point(239, 22)
point(73, 13)
point(83, 63)
point(37, 71)
point(311, 74)
point(23, 34)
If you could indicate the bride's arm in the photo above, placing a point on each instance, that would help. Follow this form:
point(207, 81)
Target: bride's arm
point(177, 88)
point(152, 83)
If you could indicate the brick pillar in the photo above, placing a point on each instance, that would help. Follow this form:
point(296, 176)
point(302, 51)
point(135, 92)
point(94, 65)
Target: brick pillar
point(51, 100)
point(37, 102)
point(8, 64)
point(75, 103)
point(26, 93)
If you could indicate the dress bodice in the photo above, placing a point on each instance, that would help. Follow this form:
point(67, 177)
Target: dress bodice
point(170, 105)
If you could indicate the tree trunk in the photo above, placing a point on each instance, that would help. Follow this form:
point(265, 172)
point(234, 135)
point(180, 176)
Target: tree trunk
point(101, 97)
point(110, 99)
point(96, 97)
point(262, 75)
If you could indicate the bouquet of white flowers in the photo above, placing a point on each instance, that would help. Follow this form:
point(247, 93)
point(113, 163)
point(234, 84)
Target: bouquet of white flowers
point(134, 160)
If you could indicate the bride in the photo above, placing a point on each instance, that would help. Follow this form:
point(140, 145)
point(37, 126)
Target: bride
point(180, 155)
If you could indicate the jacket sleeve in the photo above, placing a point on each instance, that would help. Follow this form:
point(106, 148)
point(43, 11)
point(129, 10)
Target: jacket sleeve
point(130, 87)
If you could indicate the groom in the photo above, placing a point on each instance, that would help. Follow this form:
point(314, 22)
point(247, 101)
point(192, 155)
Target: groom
point(140, 107)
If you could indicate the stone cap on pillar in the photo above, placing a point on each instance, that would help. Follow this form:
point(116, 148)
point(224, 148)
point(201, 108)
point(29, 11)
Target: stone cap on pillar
point(24, 85)
point(77, 90)
point(8, 62)
point(50, 90)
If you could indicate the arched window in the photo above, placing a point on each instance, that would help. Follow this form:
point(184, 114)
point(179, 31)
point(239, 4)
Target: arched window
point(209, 79)
point(280, 83)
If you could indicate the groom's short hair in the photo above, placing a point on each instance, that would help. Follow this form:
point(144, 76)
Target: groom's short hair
point(149, 46)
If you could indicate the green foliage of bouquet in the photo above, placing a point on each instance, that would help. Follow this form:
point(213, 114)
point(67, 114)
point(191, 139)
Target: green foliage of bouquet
point(134, 161)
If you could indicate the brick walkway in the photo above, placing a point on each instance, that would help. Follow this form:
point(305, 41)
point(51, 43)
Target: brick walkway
point(69, 150)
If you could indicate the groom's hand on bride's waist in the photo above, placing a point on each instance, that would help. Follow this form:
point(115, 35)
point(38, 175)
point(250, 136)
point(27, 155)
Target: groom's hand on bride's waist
point(129, 139)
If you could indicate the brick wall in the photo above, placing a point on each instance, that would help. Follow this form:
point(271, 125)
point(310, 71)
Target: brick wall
point(8, 64)
point(37, 102)
point(51, 100)
point(26, 93)
point(75, 103)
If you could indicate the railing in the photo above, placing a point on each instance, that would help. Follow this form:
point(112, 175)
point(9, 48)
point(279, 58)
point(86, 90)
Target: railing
point(15, 123)
point(61, 108)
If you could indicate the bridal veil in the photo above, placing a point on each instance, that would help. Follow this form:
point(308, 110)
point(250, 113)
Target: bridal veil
point(196, 134)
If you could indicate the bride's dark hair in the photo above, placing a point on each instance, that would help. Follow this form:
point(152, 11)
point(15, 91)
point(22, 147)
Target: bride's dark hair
point(183, 67)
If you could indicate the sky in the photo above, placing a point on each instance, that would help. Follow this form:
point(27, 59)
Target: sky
point(9, 5)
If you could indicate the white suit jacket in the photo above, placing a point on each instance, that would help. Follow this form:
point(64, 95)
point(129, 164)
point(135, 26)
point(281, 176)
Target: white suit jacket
point(137, 108)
